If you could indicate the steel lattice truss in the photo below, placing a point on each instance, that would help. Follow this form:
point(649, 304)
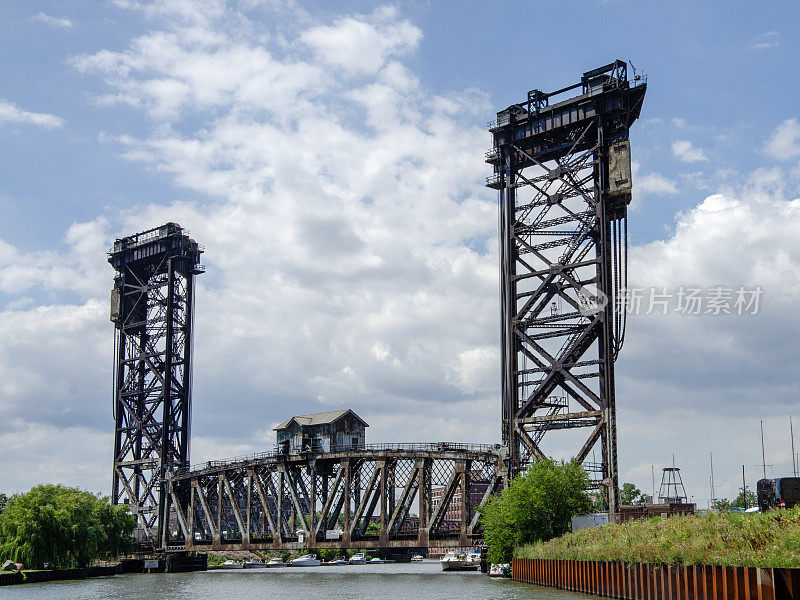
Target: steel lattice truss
point(152, 311)
point(563, 230)
point(370, 498)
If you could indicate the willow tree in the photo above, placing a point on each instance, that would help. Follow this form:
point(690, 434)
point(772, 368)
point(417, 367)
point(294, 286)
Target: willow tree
point(63, 526)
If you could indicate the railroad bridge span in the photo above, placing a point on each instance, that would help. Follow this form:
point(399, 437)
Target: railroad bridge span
point(378, 496)
point(561, 164)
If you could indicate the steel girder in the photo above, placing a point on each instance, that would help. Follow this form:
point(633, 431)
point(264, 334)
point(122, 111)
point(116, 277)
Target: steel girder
point(563, 242)
point(152, 304)
point(359, 499)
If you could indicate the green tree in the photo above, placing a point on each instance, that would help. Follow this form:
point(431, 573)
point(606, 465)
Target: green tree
point(537, 506)
point(64, 526)
point(630, 494)
point(745, 499)
point(3, 502)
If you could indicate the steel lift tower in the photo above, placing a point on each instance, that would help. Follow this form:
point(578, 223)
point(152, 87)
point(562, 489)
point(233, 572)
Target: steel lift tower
point(151, 308)
point(563, 169)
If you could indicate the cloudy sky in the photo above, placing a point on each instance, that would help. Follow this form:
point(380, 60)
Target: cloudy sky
point(331, 162)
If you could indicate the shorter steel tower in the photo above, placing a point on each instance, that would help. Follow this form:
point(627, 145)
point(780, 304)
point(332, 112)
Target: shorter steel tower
point(152, 309)
point(562, 167)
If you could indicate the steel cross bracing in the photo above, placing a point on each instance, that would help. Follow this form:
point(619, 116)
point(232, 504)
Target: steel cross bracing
point(370, 498)
point(563, 175)
point(152, 311)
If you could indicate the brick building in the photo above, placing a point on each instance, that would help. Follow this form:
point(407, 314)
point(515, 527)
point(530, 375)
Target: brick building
point(453, 513)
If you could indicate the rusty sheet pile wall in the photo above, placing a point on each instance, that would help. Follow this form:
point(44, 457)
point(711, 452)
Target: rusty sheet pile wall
point(640, 581)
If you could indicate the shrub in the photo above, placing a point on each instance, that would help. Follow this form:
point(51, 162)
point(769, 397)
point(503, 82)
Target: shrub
point(538, 505)
point(770, 539)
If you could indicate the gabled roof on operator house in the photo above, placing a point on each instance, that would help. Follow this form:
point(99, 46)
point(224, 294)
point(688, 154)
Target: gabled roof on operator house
point(323, 418)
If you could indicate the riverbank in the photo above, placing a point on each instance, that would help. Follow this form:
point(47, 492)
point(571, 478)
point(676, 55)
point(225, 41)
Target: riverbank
point(178, 562)
point(40, 575)
point(770, 539)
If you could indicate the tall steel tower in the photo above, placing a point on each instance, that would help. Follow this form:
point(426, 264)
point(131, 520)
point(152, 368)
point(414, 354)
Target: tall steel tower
point(152, 309)
point(563, 169)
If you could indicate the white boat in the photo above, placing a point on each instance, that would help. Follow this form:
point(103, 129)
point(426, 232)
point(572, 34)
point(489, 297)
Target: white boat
point(457, 561)
point(377, 561)
point(474, 557)
point(230, 564)
point(253, 564)
point(500, 570)
point(275, 562)
point(307, 560)
point(335, 562)
point(359, 558)
point(416, 558)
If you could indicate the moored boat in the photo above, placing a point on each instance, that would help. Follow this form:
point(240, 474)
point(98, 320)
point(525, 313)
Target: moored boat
point(416, 558)
point(275, 562)
point(307, 560)
point(253, 564)
point(335, 562)
point(376, 561)
point(359, 558)
point(457, 561)
point(230, 564)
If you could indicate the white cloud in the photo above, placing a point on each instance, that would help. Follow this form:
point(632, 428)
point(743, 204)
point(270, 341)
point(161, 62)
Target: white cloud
point(656, 183)
point(685, 151)
point(44, 453)
point(785, 141)
point(9, 113)
point(362, 44)
point(686, 383)
point(58, 22)
point(765, 41)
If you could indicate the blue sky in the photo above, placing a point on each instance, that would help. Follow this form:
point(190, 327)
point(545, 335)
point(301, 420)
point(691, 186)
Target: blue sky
point(330, 158)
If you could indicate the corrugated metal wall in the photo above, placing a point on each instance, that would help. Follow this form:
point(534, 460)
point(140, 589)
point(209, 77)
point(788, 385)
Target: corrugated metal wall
point(640, 581)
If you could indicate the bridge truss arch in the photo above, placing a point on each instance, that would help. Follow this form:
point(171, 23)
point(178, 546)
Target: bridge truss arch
point(381, 496)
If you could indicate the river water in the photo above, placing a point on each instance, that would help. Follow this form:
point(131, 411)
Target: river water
point(398, 581)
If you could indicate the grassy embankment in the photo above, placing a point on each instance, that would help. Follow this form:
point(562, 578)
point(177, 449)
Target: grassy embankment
point(771, 539)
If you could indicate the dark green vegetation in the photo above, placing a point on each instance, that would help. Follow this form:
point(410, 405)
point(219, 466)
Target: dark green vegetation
point(630, 494)
point(743, 500)
point(770, 539)
point(63, 526)
point(536, 506)
point(3, 501)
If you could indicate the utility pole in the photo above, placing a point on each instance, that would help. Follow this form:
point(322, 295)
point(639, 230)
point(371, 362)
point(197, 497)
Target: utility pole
point(763, 458)
point(744, 490)
point(711, 457)
point(791, 435)
point(653, 474)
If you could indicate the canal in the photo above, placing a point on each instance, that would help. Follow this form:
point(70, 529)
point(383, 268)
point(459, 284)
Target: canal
point(409, 581)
